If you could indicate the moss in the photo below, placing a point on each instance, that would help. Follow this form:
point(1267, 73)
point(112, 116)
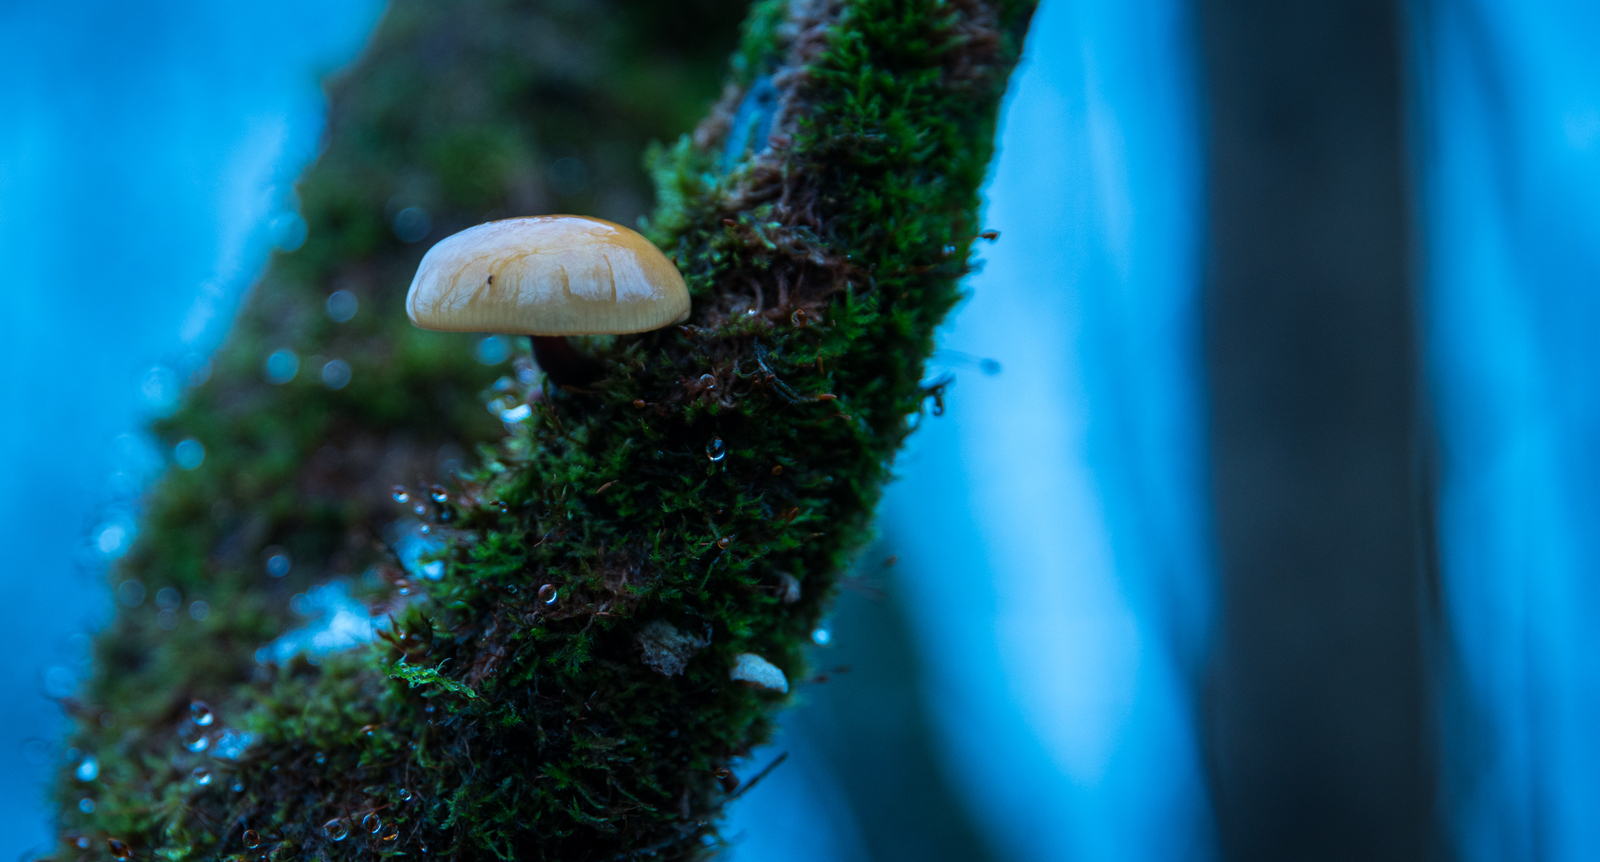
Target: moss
point(508, 712)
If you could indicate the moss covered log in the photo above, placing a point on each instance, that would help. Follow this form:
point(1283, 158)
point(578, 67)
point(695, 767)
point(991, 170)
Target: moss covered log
point(558, 620)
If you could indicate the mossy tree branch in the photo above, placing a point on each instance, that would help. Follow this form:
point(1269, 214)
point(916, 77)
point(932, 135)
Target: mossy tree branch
point(563, 691)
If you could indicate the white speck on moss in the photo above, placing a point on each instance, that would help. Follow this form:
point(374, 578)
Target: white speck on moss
point(758, 672)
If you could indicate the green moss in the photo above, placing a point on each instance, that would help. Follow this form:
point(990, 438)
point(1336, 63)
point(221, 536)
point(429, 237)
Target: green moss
point(510, 711)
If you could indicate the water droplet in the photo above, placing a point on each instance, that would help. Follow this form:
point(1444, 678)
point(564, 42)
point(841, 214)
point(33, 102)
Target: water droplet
point(131, 593)
point(282, 366)
point(778, 470)
point(438, 493)
point(288, 231)
point(192, 737)
point(639, 404)
point(201, 713)
point(342, 305)
point(83, 842)
point(493, 350)
point(511, 588)
point(716, 449)
point(821, 635)
point(337, 829)
point(189, 453)
point(86, 805)
point(390, 833)
point(548, 594)
point(252, 840)
point(321, 758)
point(400, 495)
point(516, 414)
point(278, 561)
point(371, 823)
point(201, 775)
point(420, 509)
point(412, 224)
point(119, 849)
point(169, 598)
point(724, 542)
point(405, 795)
point(336, 374)
point(723, 772)
point(708, 382)
point(237, 787)
point(88, 770)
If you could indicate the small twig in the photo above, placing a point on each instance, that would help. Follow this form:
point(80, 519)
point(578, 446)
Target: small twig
point(759, 775)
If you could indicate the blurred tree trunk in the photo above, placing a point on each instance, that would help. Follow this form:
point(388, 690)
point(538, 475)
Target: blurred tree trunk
point(1318, 703)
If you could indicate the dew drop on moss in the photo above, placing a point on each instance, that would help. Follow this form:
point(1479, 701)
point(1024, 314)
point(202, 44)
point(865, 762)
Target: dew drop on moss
point(252, 840)
point(192, 737)
point(390, 833)
point(438, 494)
point(200, 712)
point(320, 758)
point(278, 561)
point(419, 509)
point(202, 776)
point(400, 495)
point(88, 770)
point(371, 823)
point(716, 449)
point(821, 635)
point(724, 542)
point(548, 594)
point(336, 829)
point(119, 849)
point(237, 787)
point(405, 795)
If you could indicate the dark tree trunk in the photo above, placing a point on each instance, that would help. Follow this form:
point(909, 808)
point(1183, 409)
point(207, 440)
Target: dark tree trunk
point(1317, 702)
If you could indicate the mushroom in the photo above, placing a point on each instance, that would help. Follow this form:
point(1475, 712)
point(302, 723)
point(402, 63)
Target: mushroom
point(548, 277)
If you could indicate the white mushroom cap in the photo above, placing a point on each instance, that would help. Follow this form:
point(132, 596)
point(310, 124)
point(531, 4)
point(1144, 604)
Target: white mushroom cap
point(759, 672)
point(547, 275)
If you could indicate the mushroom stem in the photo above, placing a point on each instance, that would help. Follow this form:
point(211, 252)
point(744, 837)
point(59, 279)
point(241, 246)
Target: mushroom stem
point(562, 362)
